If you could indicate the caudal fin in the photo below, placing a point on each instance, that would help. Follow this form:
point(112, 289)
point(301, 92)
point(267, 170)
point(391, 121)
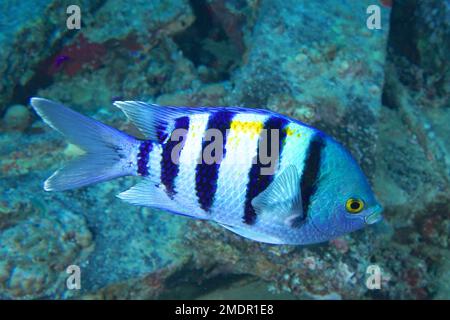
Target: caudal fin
point(108, 150)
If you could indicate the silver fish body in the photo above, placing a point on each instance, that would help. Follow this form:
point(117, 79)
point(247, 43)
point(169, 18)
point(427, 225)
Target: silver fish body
point(260, 174)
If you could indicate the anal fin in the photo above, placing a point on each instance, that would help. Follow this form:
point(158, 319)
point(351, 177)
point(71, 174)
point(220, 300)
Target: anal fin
point(248, 233)
point(146, 193)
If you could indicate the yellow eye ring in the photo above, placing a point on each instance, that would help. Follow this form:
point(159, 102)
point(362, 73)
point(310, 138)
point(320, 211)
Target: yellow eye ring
point(354, 205)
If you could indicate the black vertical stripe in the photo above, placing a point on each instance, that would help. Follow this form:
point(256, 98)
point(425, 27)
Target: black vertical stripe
point(257, 182)
point(310, 176)
point(161, 133)
point(169, 169)
point(145, 148)
point(206, 175)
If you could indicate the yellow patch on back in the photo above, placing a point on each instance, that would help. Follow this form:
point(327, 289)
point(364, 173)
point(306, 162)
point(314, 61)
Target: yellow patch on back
point(252, 128)
point(196, 129)
point(289, 131)
point(292, 132)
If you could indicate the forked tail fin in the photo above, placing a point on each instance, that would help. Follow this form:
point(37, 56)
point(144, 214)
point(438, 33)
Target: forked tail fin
point(108, 151)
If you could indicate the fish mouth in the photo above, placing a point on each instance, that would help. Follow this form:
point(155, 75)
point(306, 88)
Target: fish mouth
point(375, 216)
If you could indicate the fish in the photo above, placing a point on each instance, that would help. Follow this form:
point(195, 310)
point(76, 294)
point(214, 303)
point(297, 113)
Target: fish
point(260, 174)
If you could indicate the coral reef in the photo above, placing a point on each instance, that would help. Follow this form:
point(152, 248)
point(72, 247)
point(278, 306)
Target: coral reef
point(383, 93)
point(31, 36)
point(36, 248)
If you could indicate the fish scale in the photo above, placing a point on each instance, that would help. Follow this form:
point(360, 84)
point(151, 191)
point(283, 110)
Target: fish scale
point(241, 146)
point(206, 174)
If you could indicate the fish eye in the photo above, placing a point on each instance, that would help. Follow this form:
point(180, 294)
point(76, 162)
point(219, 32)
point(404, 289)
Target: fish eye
point(354, 205)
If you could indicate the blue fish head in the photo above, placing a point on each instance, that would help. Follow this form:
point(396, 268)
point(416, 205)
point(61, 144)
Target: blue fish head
point(343, 201)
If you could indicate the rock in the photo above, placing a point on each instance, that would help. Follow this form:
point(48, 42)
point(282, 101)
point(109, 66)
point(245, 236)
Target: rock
point(17, 117)
point(421, 57)
point(35, 253)
point(24, 32)
point(443, 292)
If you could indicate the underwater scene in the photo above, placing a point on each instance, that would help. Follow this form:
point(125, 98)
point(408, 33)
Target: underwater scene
point(99, 201)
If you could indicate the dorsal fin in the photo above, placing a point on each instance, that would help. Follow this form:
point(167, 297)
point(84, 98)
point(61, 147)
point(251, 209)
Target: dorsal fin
point(154, 121)
point(157, 122)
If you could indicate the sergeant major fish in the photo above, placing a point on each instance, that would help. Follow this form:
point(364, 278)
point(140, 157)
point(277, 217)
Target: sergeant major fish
point(316, 192)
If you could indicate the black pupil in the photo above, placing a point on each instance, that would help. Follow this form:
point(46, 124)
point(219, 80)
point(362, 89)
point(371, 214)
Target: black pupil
point(354, 205)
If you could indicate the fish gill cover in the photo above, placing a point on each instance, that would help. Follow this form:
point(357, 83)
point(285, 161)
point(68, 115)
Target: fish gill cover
point(383, 93)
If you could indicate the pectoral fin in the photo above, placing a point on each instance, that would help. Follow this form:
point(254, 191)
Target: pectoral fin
point(282, 198)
